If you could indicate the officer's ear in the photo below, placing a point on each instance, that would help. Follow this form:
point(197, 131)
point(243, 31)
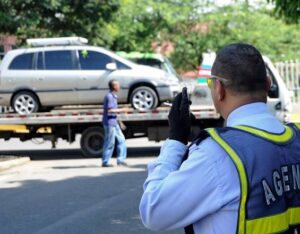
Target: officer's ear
point(268, 83)
point(220, 90)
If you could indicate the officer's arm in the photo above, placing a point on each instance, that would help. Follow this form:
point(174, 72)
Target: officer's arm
point(176, 196)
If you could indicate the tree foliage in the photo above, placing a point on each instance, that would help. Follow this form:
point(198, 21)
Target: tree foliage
point(192, 26)
point(138, 23)
point(31, 18)
point(233, 24)
point(289, 9)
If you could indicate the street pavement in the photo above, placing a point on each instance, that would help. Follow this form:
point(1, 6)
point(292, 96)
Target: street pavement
point(60, 192)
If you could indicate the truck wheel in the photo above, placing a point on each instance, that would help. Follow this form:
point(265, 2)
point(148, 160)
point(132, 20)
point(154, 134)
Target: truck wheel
point(25, 103)
point(91, 142)
point(143, 98)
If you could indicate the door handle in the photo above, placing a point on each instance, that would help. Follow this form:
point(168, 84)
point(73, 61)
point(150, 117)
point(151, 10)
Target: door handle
point(84, 78)
point(40, 78)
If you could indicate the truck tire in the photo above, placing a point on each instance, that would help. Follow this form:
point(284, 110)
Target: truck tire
point(25, 103)
point(91, 142)
point(143, 98)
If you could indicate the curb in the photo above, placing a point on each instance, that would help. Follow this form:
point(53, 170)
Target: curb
point(13, 163)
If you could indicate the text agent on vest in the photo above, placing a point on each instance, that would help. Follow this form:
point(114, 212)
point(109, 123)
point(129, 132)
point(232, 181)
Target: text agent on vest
point(243, 178)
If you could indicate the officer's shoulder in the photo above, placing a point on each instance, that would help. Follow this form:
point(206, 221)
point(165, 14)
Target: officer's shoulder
point(207, 146)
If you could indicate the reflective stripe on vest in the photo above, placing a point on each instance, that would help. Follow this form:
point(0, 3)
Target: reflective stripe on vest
point(270, 224)
point(277, 138)
point(242, 175)
point(275, 223)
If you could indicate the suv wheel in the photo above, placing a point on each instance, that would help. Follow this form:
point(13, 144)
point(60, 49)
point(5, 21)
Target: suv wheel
point(25, 103)
point(143, 98)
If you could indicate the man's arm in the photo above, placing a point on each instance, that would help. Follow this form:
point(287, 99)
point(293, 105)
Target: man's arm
point(118, 110)
point(177, 195)
point(110, 106)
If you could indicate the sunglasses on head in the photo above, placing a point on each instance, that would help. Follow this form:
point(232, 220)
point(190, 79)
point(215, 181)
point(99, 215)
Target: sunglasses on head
point(210, 80)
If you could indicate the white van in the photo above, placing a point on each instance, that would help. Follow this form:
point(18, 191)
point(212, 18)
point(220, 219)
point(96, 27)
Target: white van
point(279, 98)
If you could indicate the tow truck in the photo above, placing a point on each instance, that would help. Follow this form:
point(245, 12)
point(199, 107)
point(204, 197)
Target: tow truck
point(65, 123)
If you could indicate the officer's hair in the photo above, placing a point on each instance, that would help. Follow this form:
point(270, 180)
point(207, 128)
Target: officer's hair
point(111, 84)
point(243, 66)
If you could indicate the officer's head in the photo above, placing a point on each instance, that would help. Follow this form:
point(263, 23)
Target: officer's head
point(114, 85)
point(238, 78)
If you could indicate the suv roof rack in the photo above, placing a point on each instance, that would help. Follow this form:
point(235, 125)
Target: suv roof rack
point(56, 41)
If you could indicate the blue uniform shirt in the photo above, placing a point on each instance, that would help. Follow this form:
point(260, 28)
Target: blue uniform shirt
point(204, 190)
point(110, 102)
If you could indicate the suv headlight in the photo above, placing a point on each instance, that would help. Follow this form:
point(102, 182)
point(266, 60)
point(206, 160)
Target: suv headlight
point(171, 80)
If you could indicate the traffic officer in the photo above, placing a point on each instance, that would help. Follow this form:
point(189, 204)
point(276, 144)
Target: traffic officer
point(243, 178)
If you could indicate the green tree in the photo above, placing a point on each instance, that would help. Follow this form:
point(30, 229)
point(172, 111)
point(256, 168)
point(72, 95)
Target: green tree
point(289, 9)
point(227, 25)
point(49, 18)
point(139, 23)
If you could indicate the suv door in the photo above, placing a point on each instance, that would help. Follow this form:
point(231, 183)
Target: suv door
point(93, 76)
point(56, 81)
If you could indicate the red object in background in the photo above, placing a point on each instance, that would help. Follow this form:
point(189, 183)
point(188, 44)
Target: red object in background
point(8, 41)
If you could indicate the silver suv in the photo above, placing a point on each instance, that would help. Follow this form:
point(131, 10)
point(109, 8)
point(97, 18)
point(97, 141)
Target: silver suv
point(33, 79)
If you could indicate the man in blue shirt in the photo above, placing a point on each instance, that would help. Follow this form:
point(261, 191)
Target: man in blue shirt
point(230, 181)
point(112, 130)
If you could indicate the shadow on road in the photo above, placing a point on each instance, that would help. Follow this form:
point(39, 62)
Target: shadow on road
point(83, 204)
point(55, 154)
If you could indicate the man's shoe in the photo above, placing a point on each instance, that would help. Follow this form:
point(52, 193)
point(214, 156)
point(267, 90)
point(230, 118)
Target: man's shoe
point(107, 165)
point(122, 164)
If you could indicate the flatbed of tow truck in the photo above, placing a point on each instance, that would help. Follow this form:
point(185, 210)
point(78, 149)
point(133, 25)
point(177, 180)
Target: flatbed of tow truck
point(89, 114)
point(67, 122)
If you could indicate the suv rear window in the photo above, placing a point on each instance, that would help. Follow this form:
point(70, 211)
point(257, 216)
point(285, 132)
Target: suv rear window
point(22, 62)
point(58, 60)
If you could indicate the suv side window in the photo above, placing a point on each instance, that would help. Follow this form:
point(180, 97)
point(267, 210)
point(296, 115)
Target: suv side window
point(59, 60)
point(121, 66)
point(22, 62)
point(92, 60)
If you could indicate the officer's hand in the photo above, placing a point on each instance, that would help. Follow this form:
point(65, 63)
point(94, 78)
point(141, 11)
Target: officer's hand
point(180, 118)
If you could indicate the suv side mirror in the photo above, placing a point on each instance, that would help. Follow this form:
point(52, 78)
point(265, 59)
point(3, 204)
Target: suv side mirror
point(111, 66)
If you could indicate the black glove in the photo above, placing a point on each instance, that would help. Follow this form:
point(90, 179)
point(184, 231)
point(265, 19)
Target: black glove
point(180, 118)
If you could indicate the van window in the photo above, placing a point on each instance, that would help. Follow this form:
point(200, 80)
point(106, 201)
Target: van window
point(274, 89)
point(91, 60)
point(149, 62)
point(58, 60)
point(22, 62)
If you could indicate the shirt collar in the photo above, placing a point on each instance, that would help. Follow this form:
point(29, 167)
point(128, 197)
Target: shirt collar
point(114, 94)
point(240, 114)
